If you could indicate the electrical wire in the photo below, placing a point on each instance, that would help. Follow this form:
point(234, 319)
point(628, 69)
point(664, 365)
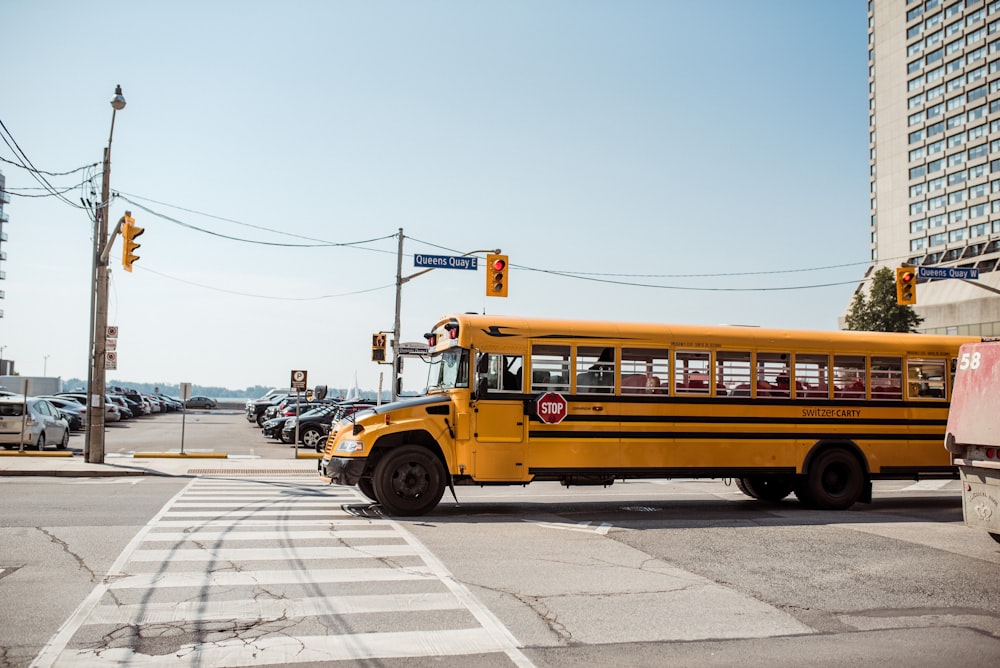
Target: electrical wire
point(26, 163)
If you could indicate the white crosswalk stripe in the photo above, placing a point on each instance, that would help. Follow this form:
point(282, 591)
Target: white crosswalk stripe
point(269, 571)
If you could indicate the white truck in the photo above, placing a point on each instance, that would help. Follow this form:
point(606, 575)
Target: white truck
point(973, 434)
point(36, 385)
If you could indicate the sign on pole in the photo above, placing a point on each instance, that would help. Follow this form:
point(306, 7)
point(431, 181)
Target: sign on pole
point(299, 380)
point(968, 273)
point(446, 262)
point(110, 359)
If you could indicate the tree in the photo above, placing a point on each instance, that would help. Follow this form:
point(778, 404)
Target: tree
point(880, 312)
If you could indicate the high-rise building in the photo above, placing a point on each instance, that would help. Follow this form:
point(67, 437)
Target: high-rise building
point(934, 153)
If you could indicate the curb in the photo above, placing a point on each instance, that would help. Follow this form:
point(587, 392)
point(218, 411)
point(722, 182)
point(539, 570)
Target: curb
point(17, 453)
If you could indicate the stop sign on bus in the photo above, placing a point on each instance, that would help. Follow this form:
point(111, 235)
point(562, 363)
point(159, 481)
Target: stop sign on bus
point(551, 408)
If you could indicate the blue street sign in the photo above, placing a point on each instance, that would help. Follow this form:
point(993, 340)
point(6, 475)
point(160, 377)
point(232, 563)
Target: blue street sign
point(948, 272)
point(446, 262)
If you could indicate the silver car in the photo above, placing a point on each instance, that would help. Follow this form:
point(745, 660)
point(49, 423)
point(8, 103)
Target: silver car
point(32, 422)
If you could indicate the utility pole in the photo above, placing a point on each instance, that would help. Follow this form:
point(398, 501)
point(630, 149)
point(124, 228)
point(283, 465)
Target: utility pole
point(94, 446)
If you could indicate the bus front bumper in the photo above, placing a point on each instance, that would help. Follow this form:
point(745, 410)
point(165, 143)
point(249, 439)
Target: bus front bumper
point(343, 470)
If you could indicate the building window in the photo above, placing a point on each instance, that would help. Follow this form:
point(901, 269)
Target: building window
point(918, 226)
point(975, 192)
point(977, 152)
point(938, 239)
point(957, 177)
point(935, 129)
point(978, 211)
point(917, 172)
point(956, 197)
point(976, 132)
point(954, 65)
point(958, 235)
point(916, 135)
point(918, 244)
point(935, 203)
point(918, 189)
point(956, 140)
point(950, 105)
point(918, 207)
point(976, 114)
point(956, 159)
point(979, 230)
point(977, 171)
point(917, 154)
point(935, 184)
point(935, 147)
point(935, 221)
point(956, 216)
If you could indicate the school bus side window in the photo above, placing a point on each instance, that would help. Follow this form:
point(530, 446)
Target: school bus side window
point(503, 373)
point(812, 376)
point(692, 372)
point(550, 368)
point(595, 369)
point(925, 379)
point(849, 376)
point(887, 378)
point(645, 371)
point(732, 373)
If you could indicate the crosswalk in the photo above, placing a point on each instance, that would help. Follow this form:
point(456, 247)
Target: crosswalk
point(254, 572)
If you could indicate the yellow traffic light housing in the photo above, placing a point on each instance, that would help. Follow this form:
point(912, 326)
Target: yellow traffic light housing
point(129, 233)
point(906, 286)
point(378, 347)
point(496, 275)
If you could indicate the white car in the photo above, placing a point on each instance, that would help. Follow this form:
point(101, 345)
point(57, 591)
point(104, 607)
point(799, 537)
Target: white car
point(33, 422)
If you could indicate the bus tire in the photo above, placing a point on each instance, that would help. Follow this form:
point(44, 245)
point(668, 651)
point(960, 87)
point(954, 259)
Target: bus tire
point(835, 481)
point(409, 481)
point(765, 487)
point(367, 488)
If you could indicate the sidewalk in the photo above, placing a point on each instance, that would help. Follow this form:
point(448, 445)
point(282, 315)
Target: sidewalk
point(160, 464)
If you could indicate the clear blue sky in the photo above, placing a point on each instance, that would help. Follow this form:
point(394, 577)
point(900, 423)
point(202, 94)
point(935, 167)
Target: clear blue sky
point(635, 142)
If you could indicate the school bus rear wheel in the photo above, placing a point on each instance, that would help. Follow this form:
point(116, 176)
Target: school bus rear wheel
point(409, 481)
point(835, 481)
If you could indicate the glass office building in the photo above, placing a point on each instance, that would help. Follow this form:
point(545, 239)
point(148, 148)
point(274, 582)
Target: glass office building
point(934, 153)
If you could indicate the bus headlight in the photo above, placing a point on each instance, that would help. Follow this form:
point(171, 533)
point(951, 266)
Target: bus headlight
point(350, 446)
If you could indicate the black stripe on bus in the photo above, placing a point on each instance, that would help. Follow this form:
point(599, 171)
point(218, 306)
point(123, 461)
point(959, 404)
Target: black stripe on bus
point(740, 419)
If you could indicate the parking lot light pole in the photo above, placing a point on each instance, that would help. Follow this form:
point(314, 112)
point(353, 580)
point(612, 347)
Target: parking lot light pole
point(94, 445)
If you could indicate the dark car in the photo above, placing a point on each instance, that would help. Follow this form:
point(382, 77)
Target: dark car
point(314, 426)
point(200, 402)
point(256, 409)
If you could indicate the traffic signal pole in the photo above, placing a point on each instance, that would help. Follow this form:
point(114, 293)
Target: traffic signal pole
point(400, 279)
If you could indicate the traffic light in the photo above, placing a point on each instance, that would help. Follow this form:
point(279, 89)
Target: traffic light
point(496, 275)
point(906, 286)
point(129, 232)
point(378, 347)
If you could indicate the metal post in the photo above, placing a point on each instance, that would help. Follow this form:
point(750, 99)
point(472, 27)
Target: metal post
point(395, 324)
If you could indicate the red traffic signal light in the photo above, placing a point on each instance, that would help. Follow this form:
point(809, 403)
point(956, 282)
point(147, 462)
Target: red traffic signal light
point(496, 275)
point(906, 286)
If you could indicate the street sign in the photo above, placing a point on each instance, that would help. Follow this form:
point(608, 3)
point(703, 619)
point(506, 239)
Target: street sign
point(299, 380)
point(110, 360)
point(968, 273)
point(185, 391)
point(551, 408)
point(111, 344)
point(112, 332)
point(415, 348)
point(446, 262)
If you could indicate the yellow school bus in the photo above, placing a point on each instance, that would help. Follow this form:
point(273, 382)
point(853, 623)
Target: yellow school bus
point(513, 400)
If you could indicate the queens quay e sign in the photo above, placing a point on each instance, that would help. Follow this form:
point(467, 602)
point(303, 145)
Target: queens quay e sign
point(948, 272)
point(446, 262)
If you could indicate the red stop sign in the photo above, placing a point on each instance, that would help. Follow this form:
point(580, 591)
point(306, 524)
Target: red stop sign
point(551, 408)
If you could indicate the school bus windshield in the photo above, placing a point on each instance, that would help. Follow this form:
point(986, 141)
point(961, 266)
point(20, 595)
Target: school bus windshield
point(448, 370)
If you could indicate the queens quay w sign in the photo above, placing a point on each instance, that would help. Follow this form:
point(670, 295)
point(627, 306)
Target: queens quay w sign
point(446, 262)
point(948, 272)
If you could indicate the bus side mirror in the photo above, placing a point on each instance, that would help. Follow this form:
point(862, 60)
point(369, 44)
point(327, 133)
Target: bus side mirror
point(319, 394)
point(482, 363)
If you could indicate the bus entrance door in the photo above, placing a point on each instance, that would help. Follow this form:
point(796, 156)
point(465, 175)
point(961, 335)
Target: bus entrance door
point(498, 430)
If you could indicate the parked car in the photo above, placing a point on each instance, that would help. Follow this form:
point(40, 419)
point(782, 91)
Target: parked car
point(74, 412)
point(123, 407)
point(314, 425)
point(200, 402)
point(256, 408)
point(170, 403)
point(33, 422)
point(111, 412)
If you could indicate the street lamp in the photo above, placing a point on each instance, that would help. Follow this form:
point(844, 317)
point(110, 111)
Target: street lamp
point(45, 365)
point(94, 446)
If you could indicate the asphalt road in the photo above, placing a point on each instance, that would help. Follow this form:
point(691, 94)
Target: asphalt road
point(265, 570)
